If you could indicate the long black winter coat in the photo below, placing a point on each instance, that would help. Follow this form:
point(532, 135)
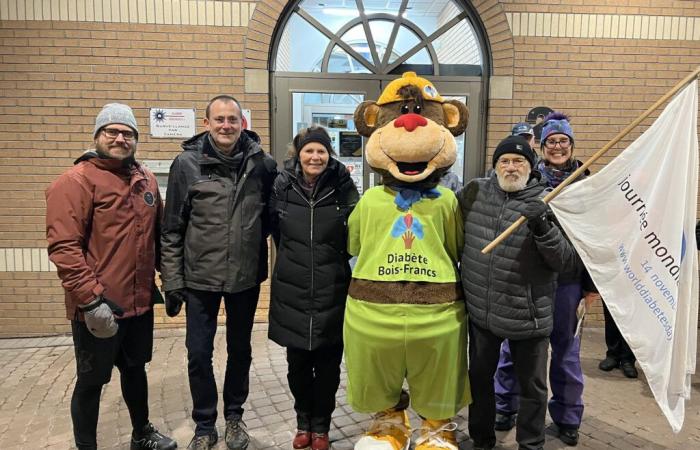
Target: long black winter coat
point(509, 291)
point(311, 273)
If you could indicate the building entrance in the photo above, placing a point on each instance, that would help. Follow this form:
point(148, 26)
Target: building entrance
point(331, 56)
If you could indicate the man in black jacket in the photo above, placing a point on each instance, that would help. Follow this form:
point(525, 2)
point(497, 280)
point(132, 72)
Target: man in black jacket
point(214, 245)
point(510, 291)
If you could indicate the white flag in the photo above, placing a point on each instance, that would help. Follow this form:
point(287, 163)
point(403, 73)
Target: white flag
point(633, 224)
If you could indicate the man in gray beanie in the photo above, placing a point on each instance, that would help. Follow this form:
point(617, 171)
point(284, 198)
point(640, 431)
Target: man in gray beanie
point(509, 292)
point(102, 221)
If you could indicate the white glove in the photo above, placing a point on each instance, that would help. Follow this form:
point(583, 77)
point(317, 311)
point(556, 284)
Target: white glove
point(99, 317)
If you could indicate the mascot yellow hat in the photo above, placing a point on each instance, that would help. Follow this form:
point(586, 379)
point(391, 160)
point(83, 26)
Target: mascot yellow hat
point(391, 92)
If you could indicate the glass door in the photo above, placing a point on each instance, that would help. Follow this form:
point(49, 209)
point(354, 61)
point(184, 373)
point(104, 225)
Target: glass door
point(300, 101)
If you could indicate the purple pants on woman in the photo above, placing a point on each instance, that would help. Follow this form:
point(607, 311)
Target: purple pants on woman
point(565, 375)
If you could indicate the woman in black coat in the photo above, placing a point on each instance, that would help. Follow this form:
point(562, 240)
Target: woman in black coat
point(311, 201)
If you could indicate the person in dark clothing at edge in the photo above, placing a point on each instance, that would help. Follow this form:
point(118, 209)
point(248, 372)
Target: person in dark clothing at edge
point(618, 353)
point(214, 245)
point(565, 374)
point(510, 291)
point(102, 222)
point(310, 204)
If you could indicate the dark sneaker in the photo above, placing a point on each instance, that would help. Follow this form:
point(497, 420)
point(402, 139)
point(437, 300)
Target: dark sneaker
point(608, 364)
point(319, 441)
point(569, 436)
point(204, 442)
point(302, 440)
point(236, 434)
point(150, 439)
point(628, 369)
point(504, 422)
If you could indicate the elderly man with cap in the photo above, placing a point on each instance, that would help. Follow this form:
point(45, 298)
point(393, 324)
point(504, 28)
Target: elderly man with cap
point(509, 292)
point(102, 221)
point(565, 374)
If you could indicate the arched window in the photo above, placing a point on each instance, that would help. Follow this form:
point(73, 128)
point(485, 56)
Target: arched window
point(379, 37)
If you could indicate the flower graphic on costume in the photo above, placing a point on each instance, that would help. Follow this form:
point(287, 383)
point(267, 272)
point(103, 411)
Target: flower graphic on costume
point(408, 228)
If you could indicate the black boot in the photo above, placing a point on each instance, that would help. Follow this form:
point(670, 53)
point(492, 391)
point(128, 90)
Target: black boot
point(608, 364)
point(628, 369)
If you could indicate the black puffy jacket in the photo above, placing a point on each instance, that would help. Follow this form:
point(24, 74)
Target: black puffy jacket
point(214, 235)
point(510, 290)
point(311, 273)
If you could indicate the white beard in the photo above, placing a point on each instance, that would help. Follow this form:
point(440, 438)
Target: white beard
point(512, 185)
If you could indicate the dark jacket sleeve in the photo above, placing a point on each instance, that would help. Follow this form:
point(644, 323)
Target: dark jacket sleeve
point(274, 209)
point(270, 177)
point(174, 226)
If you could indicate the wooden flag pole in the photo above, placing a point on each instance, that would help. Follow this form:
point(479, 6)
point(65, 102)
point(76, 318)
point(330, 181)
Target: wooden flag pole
point(680, 85)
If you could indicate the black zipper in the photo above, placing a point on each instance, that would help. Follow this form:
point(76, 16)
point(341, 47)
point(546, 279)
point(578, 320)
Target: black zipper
point(312, 204)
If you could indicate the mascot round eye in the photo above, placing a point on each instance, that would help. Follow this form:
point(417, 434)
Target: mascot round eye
point(405, 109)
point(417, 109)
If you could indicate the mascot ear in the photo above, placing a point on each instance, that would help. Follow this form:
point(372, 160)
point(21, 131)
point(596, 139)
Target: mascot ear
point(456, 116)
point(366, 117)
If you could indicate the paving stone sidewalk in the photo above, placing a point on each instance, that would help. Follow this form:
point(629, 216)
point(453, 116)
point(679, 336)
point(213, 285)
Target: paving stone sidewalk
point(37, 377)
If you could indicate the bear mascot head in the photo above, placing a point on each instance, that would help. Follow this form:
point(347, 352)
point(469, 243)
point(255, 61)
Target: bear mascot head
point(411, 130)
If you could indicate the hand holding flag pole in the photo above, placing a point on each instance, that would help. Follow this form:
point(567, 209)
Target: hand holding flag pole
point(680, 85)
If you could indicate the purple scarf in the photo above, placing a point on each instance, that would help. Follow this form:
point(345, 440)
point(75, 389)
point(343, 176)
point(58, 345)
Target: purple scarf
point(555, 176)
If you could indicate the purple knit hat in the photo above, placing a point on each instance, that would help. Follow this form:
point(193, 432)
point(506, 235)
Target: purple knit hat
point(556, 123)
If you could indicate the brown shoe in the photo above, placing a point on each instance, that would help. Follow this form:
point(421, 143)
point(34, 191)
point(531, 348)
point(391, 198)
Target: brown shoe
point(302, 440)
point(319, 441)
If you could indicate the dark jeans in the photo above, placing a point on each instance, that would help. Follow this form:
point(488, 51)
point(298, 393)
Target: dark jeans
point(313, 378)
point(618, 349)
point(202, 311)
point(130, 349)
point(530, 363)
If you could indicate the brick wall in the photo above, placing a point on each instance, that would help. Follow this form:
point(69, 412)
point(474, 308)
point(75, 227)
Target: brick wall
point(54, 79)
point(57, 72)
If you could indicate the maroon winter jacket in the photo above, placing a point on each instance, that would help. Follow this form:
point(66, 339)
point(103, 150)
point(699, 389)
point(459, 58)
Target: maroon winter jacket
point(102, 223)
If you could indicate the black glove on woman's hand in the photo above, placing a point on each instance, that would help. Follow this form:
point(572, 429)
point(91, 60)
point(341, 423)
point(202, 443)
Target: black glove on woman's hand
point(536, 213)
point(173, 302)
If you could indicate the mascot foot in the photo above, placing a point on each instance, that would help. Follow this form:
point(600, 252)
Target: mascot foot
point(390, 430)
point(437, 435)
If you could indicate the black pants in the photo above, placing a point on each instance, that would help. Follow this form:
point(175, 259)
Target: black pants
point(130, 349)
point(202, 311)
point(313, 378)
point(618, 348)
point(530, 364)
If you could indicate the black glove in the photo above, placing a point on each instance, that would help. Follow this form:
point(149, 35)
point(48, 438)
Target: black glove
point(536, 213)
point(99, 317)
point(173, 302)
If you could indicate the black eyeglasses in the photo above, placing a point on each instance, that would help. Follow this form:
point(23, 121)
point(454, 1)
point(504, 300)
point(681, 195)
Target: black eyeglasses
point(113, 133)
point(562, 143)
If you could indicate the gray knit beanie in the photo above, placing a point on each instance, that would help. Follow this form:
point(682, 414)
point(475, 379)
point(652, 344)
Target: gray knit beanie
point(115, 113)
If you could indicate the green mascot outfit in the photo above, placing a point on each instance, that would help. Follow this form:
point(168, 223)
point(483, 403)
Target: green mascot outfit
point(405, 317)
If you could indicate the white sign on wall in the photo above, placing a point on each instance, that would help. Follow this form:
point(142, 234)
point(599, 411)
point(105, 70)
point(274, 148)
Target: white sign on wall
point(172, 123)
point(247, 120)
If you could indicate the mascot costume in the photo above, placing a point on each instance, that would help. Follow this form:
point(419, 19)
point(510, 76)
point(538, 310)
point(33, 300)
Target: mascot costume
point(405, 317)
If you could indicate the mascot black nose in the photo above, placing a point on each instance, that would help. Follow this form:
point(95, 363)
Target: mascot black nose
point(410, 122)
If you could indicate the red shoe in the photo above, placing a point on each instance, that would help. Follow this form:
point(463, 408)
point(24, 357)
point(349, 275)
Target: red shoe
point(319, 441)
point(302, 440)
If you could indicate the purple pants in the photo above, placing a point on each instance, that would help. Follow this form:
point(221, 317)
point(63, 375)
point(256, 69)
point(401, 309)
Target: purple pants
point(565, 375)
